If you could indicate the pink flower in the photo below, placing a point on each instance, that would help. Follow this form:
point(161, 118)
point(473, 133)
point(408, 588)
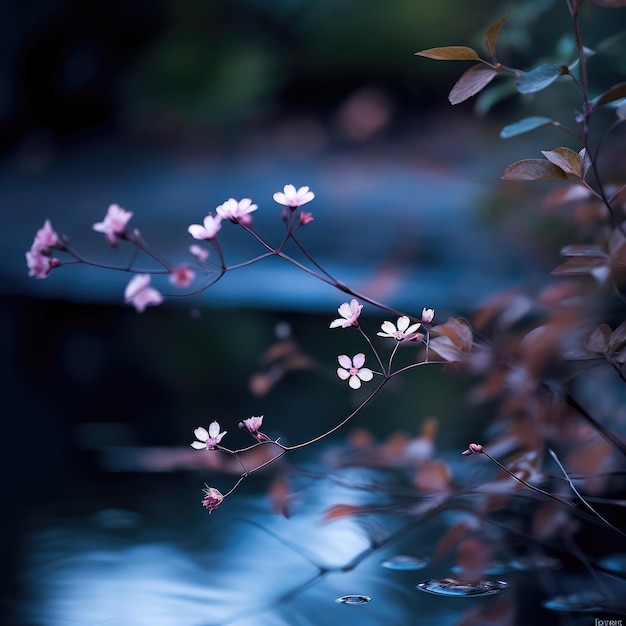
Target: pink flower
point(398, 331)
point(46, 237)
point(305, 218)
point(349, 315)
point(211, 226)
point(202, 254)
point(38, 258)
point(352, 369)
point(428, 315)
point(114, 223)
point(140, 294)
point(237, 211)
point(39, 263)
point(292, 198)
point(182, 276)
point(253, 425)
point(212, 498)
point(207, 439)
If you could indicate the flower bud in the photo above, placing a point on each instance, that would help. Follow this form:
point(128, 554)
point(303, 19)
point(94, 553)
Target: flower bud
point(212, 498)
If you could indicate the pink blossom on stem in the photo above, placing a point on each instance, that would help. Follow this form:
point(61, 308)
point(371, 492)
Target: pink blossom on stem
point(399, 331)
point(207, 439)
point(140, 294)
point(114, 223)
point(212, 498)
point(293, 198)
point(253, 425)
point(349, 315)
point(209, 228)
point(237, 211)
point(202, 254)
point(428, 315)
point(39, 263)
point(46, 237)
point(353, 371)
point(305, 218)
point(182, 276)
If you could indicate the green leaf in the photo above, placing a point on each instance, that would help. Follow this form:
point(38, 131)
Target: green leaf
point(538, 78)
point(471, 82)
point(533, 169)
point(524, 126)
point(617, 92)
point(450, 53)
point(491, 37)
point(567, 160)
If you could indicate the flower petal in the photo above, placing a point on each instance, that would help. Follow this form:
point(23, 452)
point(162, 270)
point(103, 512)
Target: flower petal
point(201, 433)
point(354, 382)
point(389, 328)
point(198, 445)
point(358, 360)
point(343, 374)
point(403, 323)
point(214, 429)
point(365, 374)
point(345, 361)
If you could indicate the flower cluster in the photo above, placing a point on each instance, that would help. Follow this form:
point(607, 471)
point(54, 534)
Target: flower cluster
point(349, 315)
point(38, 258)
point(212, 498)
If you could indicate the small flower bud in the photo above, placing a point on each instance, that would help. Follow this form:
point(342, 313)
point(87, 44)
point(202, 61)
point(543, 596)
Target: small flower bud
point(212, 498)
point(474, 448)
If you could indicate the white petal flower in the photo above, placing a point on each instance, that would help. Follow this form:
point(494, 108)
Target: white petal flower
point(349, 314)
point(353, 371)
point(207, 439)
point(399, 331)
point(294, 198)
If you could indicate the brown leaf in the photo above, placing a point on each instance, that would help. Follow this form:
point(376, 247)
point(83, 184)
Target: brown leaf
point(618, 337)
point(598, 339)
point(433, 476)
point(450, 53)
point(580, 265)
point(491, 37)
point(566, 159)
point(533, 169)
point(471, 82)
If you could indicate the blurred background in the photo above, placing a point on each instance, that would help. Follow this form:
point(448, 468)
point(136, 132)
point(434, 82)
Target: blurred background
point(168, 108)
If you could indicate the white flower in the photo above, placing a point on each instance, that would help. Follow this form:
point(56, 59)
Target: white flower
point(352, 369)
point(211, 226)
point(237, 211)
point(349, 315)
point(207, 439)
point(292, 198)
point(399, 331)
point(428, 315)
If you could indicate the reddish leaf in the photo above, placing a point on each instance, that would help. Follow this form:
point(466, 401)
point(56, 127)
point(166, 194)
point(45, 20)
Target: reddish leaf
point(566, 159)
point(340, 510)
point(450, 53)
point(471, 82)
point(453, 340)
point(597, 340)
point(491, 37)
point(433, 476)
point(533, 169)
point(617, 92)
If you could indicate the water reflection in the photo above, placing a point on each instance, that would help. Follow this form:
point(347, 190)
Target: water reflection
point(172, 565)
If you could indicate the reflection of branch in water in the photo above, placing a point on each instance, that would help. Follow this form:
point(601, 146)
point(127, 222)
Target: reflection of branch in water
point(323, 571)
